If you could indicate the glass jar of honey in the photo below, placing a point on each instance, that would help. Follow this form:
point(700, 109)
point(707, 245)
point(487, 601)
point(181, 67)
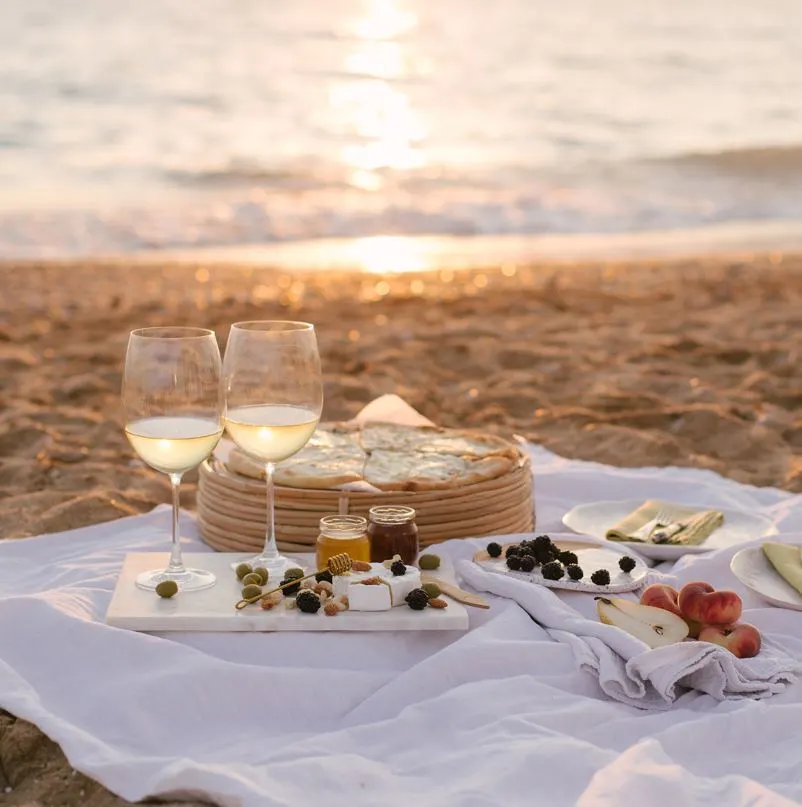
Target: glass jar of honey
point(392, 531)
point(342, 534)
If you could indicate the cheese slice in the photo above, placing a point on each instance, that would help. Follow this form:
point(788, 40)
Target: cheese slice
point(786, 559)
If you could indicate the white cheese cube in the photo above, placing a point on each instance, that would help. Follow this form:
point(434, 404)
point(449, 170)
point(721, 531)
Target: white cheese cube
point(391, 592)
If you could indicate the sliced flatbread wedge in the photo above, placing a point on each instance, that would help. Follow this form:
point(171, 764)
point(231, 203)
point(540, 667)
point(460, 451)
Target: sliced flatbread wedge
point(393, 437)
point(469, 444)
point(393, 470)
point(314, 467)
point(786, 560)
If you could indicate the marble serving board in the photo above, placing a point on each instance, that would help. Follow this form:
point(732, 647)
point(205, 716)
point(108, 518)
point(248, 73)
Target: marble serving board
point(212, 610)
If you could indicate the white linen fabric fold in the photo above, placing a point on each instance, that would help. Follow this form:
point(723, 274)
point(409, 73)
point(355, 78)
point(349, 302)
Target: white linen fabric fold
point(631, 673)
point(502, 714)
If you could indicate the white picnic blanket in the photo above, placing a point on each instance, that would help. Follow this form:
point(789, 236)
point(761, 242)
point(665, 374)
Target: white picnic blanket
point(502, 714)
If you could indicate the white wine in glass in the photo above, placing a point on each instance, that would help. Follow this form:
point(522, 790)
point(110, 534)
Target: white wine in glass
point(274, 396)
point(174, 405)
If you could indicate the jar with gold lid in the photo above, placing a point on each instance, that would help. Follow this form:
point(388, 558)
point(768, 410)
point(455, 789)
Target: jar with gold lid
point(392, 531)
point(342, 534)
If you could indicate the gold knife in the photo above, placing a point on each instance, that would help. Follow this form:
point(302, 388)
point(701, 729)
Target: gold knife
point(456, 593)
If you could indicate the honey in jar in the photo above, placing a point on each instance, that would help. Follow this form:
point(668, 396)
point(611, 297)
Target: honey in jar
point(392, 531)
point(342, 534)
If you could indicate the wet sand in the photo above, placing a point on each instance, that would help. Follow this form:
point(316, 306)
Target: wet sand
point(691, 362)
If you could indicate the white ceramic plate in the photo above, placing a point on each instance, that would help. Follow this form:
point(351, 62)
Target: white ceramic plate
point(753, 569)
point(590, 557)
point(596, 518)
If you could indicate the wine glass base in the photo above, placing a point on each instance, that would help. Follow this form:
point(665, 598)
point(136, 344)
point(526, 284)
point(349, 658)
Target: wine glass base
point(188, 580)
point(275, 566)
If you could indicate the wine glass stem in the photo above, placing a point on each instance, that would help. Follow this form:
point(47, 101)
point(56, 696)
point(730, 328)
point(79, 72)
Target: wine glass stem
point(176, 563)
point(270, 551)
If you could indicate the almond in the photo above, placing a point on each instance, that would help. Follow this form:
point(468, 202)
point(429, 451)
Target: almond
point(360, 566)
point(438, 603)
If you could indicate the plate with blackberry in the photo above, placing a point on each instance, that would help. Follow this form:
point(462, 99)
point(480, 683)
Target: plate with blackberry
point(564, 561)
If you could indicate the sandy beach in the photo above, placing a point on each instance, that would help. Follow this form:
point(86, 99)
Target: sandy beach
point(683, 362)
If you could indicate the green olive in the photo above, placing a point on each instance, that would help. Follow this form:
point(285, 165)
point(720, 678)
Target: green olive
point(254, 578)
point(429, 562)
point(263, 573)
point(293, 574)
point(167, 589)
point(243, 569)
point(432, 590)
point(251, 591)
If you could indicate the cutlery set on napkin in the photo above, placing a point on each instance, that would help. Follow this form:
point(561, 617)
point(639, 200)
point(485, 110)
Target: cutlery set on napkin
point(661, 523)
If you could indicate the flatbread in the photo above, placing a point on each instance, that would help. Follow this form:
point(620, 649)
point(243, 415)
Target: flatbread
point(394, 470)
point(389, 457)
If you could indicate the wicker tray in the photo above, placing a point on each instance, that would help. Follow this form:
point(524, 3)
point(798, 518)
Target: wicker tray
point(231, 509)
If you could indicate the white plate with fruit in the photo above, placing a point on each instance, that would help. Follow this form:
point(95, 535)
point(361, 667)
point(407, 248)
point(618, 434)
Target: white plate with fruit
point(756, 572)
point(565, 562)
point(697, 611)
point(596, 518)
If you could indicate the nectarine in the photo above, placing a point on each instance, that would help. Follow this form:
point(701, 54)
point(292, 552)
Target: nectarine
point(660, 595)
point(742, 640)
point(700, 602)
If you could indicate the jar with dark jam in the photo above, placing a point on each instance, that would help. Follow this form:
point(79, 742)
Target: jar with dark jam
point(392, 531)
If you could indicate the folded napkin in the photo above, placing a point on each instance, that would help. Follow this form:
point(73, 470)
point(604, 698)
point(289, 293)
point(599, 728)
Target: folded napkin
point(627, 670)
point(787, 560)
point(637, 526)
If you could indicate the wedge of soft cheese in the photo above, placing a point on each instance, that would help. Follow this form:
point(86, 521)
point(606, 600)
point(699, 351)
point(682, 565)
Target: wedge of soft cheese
point(388, 593)
point(786, 559)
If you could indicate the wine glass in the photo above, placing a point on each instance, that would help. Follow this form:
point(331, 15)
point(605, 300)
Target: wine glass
point(274, 396)
point(174, 417)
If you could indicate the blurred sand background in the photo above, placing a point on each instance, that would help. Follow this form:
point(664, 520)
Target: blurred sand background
point(687, 362)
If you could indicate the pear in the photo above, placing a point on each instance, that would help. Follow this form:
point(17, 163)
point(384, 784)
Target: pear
point(651, 625)
point(786, 559)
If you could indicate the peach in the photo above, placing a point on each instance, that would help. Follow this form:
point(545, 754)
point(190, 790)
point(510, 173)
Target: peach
point(700, 602)
point(659, 595)
point(742, 640)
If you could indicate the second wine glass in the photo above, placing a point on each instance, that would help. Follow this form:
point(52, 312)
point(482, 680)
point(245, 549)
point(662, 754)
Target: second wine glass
point(274, 396)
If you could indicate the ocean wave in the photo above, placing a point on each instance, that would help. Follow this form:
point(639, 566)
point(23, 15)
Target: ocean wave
point(765, 161)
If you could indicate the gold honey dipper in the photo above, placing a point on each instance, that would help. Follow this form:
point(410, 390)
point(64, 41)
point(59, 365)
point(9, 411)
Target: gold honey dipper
point(336, 564)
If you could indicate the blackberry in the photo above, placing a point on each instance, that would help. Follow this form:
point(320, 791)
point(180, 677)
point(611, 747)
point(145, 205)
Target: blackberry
point(417, 599)
point(398, 568)
point(552, 571)
point(527, 563)
point(544, 556)
point(512, 550)
point(308, 602)
point(289, 591)
point(601, 577)
point(513, 562)
point(574, 572)
point(567, 558)
point(542, 542)
point(627, 564)
point(324, 577)
point(494, 549)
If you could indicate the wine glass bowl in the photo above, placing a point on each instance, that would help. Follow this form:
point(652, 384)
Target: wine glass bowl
point(173, 405)
point(274, 397)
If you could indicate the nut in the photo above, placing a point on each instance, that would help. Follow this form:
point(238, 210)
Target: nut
point(342, 603)
point(370, 581)
point(324, 586)
point(331, 608)
point(360, 566)
point(271, 601)
point(438, 603)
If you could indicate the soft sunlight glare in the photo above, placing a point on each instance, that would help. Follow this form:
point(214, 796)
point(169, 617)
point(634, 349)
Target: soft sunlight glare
point(391, 253)
point(386, 128)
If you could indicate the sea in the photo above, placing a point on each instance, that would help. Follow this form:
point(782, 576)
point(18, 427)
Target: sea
point(185, 124)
